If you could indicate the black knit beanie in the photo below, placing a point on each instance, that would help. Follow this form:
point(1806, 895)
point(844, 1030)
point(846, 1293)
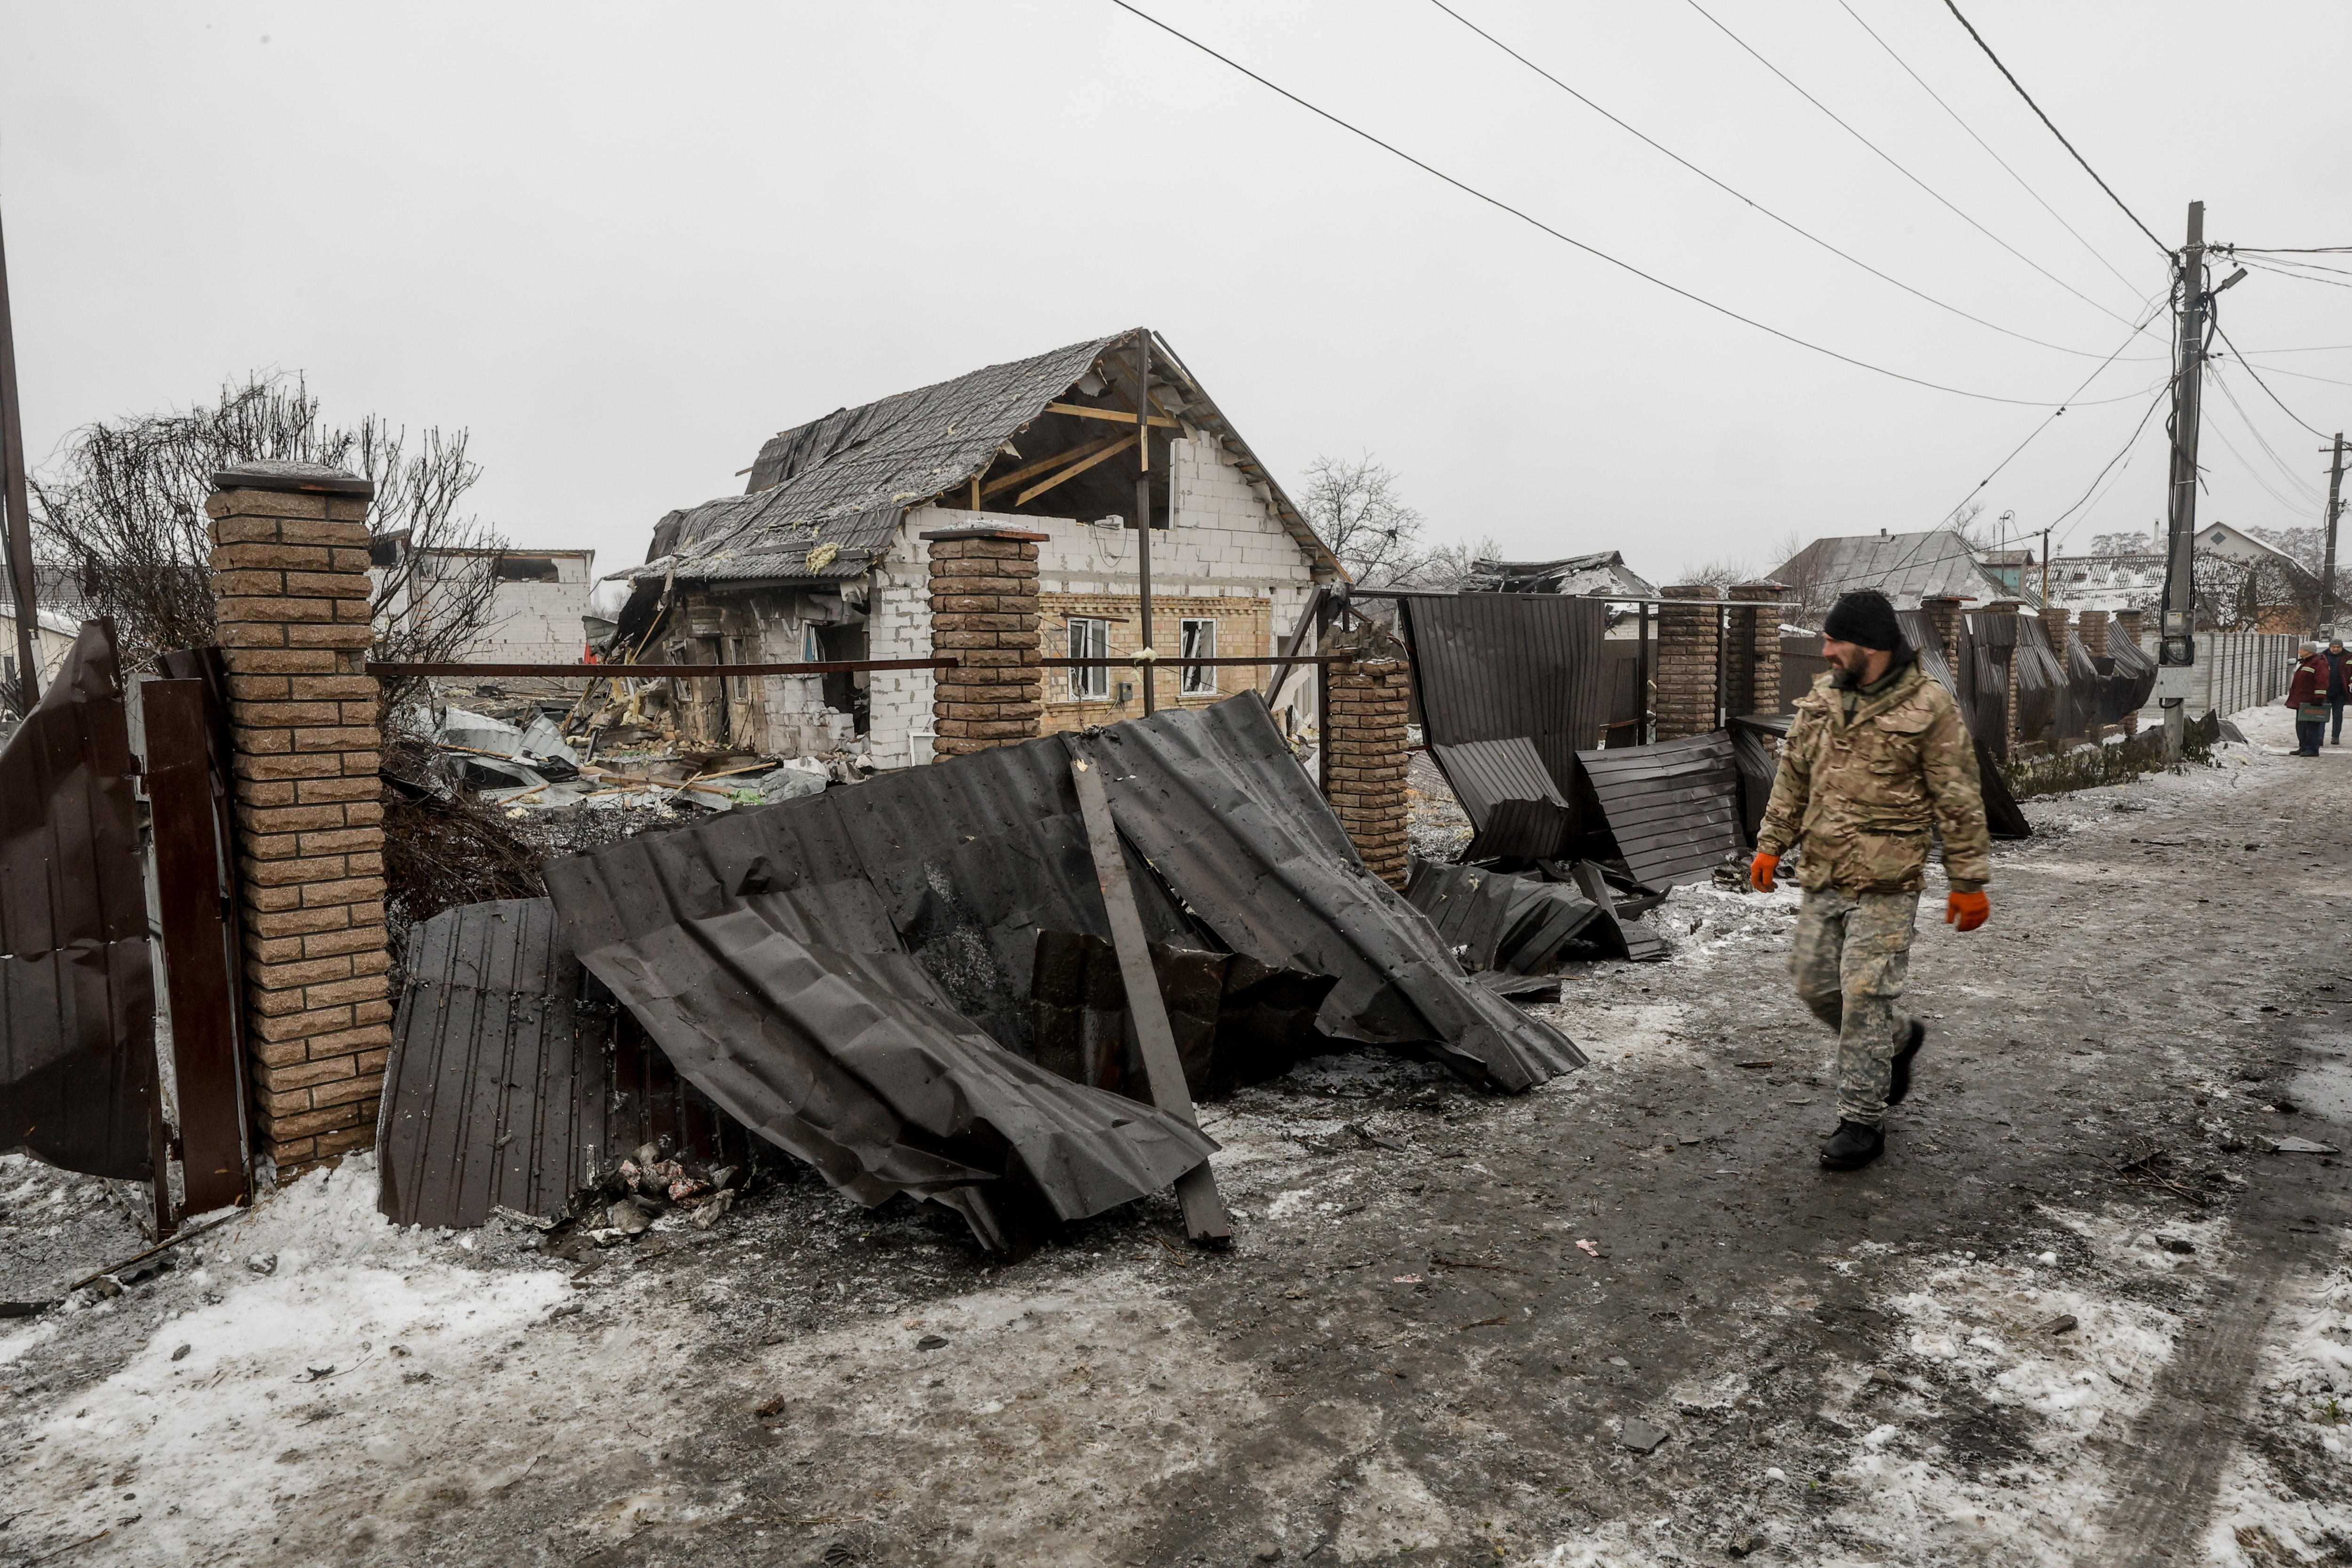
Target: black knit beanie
point(1865, 619)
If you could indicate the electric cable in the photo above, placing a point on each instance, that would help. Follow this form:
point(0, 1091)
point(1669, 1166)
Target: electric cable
point(1897, 168)
point(1536, 223)
point(2230, 397)
point(2099, 255)
point(2275, 270)
point(2266, 385)
point(2045, 119)
point(2165, 392)
point(1743, 196)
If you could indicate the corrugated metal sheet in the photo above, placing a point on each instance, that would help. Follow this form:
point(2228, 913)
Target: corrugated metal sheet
point(1501, 667)
point(1223, 813)
point(508, 1088)
point(852, 975)
point(1510, 798)
point(1520, 925)
point(1755, 743)
point(1919, 631)
point(1672, 809)
point(77, 988)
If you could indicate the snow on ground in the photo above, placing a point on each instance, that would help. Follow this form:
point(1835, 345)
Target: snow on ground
point(303, 1341)
point(2286, 1497)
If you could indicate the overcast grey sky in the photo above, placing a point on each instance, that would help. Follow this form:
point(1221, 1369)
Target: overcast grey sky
point(623, 243)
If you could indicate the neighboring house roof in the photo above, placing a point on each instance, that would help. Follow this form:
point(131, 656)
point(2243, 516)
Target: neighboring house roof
point(844, 480)
point(55, 622)
point(2214, 533)
point(1603, 572)
point(1905, 567)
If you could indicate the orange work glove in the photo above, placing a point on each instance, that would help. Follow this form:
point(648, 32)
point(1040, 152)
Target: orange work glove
point(1759, 872)
point(1968, 910)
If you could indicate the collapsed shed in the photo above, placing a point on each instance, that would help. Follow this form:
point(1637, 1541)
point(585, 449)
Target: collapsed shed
point(877, 979)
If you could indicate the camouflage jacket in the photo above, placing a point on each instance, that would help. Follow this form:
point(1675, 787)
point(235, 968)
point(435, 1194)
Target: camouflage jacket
point(1861, 793)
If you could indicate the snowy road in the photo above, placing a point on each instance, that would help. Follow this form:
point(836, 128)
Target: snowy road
point(2078, 1315)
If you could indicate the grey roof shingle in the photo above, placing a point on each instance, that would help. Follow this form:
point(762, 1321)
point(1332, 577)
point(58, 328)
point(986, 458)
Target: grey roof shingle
point(1905, 567)
point(846, 479)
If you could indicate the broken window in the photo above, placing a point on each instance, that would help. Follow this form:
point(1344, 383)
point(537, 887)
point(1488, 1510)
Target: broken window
point(1198, 639)
point(1089, 639)
point(524, 569)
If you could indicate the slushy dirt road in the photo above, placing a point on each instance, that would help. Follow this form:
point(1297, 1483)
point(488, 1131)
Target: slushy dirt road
point(2079, 1315)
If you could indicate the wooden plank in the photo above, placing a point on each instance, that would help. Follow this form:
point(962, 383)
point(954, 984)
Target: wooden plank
point(199, 948)
point(1073, 471)
point(1205, 1220)
point(1006, 481)
point(1117, 416)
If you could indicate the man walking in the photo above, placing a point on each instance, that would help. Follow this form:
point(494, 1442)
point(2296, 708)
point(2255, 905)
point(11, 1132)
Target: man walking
point(1875, 758)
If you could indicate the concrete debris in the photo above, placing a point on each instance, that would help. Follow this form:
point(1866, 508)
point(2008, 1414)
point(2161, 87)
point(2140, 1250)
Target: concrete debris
point(2299, 1146)
point(1641, 1437)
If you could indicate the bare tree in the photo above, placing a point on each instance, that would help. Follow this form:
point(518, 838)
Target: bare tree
point(1447, 567)
point(1357, 510)
point(2123, 545)
point(1719, 574)
point(2241, 596)
point(123, 509)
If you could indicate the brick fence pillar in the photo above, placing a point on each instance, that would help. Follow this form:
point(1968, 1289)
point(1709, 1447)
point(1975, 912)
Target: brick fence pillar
point(984, 616)
point(2060, 624)
point(1690, 652)
point(1366, 733)
point(289, 579)
point(1944, 614)
point(2126, 628)
point(2007, 607)
point(1754, 654)
point(2091, 631)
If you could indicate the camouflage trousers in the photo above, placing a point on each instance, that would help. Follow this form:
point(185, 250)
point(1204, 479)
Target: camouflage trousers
point(1851, 954)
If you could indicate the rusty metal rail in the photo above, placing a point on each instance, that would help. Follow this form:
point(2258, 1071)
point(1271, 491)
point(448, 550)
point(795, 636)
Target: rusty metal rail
point(397, 669)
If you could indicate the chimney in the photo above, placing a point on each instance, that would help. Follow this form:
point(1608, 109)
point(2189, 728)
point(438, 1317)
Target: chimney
point(1882, 533)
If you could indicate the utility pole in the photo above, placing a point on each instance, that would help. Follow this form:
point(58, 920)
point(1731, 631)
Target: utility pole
point(2045, 568)
point(20, 524)
point(1147, 657)
point(2326, 626)
point(2177, 629)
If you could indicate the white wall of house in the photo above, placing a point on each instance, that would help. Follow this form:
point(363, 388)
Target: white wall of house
point(1223, 540)
point(53, 638)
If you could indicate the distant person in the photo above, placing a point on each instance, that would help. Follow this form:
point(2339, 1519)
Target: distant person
point(2307, 695)
point(1876, 758)
point(2339, 687)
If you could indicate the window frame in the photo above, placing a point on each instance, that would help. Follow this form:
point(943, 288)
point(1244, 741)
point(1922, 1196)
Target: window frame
point(1089, 685)
point(1195, 680)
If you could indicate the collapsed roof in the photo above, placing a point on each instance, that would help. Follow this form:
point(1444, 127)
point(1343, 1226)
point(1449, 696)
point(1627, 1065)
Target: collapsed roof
point(1601, 572)
point(825, 498)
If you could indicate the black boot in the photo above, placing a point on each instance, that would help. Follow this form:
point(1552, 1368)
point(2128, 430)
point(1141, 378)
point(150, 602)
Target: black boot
point(1852, 1146)
point(1899, 1086)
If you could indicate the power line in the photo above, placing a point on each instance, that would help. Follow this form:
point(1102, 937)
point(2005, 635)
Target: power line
point(2297, 249)
point(1897, 168)
point(1741, 196)
point(2045, 119)
point(2265, 386)
point(2163, 392)
point(2306, 375)
point(2260, 439)
point(2275, 270)
point(1948, 109)
point(1536, 223)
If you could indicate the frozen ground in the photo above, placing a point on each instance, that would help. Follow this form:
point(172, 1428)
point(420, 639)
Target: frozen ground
point(2077, 1316)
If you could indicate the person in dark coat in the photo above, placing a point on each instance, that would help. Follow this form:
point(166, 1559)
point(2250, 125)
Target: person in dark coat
point(2339, 687)
point(2307, 695)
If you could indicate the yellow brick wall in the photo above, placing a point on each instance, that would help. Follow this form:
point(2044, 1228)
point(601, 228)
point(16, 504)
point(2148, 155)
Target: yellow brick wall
point(1244, 628)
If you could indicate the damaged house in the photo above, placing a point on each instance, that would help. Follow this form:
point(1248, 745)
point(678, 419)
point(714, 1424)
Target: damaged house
point(820, 558)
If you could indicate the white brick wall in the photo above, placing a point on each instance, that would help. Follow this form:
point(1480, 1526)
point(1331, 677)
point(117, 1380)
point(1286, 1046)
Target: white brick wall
point(1225, 541)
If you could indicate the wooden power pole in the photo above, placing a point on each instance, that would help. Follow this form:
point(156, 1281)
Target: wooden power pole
point(2326, 626)
point(2177, 626)
point(1148, 665)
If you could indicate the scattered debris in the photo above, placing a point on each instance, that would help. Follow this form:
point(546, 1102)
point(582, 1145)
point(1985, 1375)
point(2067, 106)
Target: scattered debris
point(2062, 1323)
point(2299, 1146)
point(1641, 1437)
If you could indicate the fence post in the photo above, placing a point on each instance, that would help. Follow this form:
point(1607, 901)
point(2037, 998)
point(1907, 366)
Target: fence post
point(290, 599)
point(1944, 614)
point(1690, 654)
point(2127, 625)
point(1364, 736)
point(1756, 648)
point(2009, 700)
point(984, 616)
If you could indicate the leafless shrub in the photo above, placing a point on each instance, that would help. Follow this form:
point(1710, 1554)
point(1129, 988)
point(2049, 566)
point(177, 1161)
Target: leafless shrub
point(1356, 506)
point(123, 509)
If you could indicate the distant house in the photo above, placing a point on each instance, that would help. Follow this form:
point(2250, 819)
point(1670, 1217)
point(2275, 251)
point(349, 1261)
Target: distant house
point(2242, 582)
point(1602, 574)
point(821, 557)
point(538, 597)
point(1905, 567)
point(53, 638)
